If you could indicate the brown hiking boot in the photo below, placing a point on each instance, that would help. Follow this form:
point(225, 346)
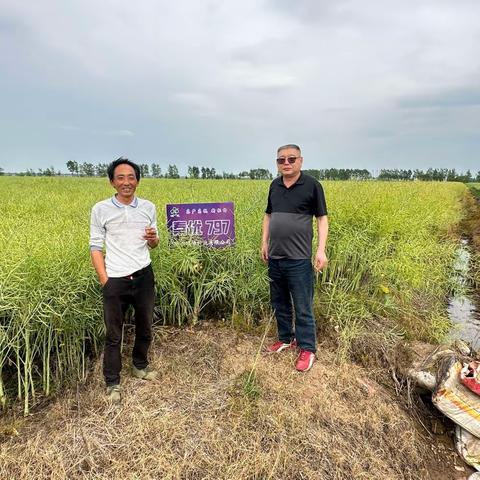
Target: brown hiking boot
point(113, 394)
point(147, 373)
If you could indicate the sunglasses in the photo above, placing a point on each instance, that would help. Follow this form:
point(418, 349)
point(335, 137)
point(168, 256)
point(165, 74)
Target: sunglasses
point(290, 160)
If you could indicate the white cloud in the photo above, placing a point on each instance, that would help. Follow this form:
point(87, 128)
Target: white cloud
point(118, 133)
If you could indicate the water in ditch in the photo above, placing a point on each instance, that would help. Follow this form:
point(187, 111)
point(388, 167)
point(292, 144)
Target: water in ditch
point(462, 310)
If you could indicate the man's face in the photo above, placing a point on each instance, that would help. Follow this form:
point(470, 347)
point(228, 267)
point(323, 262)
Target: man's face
point(124, 181)
point(286, 168)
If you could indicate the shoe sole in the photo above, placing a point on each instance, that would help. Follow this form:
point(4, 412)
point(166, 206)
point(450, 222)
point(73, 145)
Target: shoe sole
point(114, 400)
point(114, 397)
point(147, 376)
point(282, 348)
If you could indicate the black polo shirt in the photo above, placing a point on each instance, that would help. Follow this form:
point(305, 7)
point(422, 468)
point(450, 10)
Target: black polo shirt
point(291, 211)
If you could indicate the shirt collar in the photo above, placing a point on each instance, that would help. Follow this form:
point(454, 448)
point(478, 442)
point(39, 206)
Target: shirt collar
point(300, 180)
point(133, 204)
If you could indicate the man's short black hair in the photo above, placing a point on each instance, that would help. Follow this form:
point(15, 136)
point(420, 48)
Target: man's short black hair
point(120, 161)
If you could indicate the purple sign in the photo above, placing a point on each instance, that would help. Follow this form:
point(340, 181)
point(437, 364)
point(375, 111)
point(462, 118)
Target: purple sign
point(211, 224)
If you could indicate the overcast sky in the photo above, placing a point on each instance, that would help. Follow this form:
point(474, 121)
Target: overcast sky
point(358, 84)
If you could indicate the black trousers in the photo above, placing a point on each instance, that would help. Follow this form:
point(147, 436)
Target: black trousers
point(137, 290)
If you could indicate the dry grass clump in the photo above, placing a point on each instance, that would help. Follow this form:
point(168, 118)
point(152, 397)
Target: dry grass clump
point(213, 414)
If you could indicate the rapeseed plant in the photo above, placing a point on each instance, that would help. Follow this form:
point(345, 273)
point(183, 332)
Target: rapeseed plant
point(389, 249)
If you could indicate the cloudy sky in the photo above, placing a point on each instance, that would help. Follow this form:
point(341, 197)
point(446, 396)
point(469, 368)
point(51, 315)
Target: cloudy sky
point(358, 84)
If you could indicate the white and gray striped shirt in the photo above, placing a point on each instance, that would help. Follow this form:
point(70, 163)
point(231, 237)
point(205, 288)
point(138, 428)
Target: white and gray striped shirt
point(120, 228)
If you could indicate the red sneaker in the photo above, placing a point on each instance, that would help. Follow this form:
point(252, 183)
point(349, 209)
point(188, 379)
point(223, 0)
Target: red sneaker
point(305, 361)
point(279, 346)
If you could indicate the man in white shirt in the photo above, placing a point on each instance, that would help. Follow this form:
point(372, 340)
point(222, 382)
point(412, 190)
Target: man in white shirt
point(127, 226)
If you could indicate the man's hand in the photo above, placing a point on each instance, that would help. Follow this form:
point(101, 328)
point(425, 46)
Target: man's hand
point(320, 260)
point(151, 237)
point(99, 263)
point(264, 252)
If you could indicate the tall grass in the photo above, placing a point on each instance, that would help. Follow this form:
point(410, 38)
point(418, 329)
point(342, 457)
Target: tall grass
point(389, 249)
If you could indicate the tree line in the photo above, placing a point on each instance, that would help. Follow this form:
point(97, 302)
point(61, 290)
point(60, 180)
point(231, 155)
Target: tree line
point(154, 170)
point(432, 174)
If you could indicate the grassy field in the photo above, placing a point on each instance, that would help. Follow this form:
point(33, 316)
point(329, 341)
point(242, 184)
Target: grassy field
point(390, 249)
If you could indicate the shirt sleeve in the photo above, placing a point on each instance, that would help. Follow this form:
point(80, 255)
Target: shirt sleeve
point(320, 205)
point(268, 210)
point(154, 218)
point(97, 231)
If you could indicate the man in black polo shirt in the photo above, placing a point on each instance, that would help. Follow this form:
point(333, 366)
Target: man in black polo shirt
point(293, 199)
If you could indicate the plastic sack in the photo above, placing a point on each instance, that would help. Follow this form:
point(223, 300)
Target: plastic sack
point(423, 380)
point(454, 399)
point(468, 446)
point(470, 376)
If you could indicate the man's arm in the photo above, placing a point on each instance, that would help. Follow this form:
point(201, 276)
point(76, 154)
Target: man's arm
point(97, 240)
point(322, 230)
point(98, 262)
point(265, 237)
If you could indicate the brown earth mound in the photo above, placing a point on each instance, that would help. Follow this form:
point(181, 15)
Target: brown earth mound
point(219, 411)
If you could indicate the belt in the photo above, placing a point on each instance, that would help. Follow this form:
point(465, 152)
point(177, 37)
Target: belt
point(139, 273)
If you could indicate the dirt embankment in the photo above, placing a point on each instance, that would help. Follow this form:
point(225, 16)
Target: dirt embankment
point(470, 226)
point(217, 413)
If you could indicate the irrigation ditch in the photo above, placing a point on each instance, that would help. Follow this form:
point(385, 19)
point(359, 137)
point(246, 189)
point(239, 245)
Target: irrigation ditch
point(464, 339)
point(464, 305)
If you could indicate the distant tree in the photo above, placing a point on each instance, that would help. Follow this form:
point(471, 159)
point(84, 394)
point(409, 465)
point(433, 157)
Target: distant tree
point(101, 170)
point(172, 172)
point(87, 169)
point(208, 172)
point(418, 174)
point(260, 174)
point(443, 175)
point(1, 171)
point(312, 173)
point(244, 174)
point(362, 174)
point(72, 167)
point(156, 170)
point(396, 174)
point(477, 178)
point(344, 174)
point(144, 172)
point(464, 177)
point(451, 175)
point(48, 172)
point(229, 176)
point(193, 172)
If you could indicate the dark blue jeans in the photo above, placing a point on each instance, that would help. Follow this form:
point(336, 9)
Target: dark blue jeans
point(292, 282)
